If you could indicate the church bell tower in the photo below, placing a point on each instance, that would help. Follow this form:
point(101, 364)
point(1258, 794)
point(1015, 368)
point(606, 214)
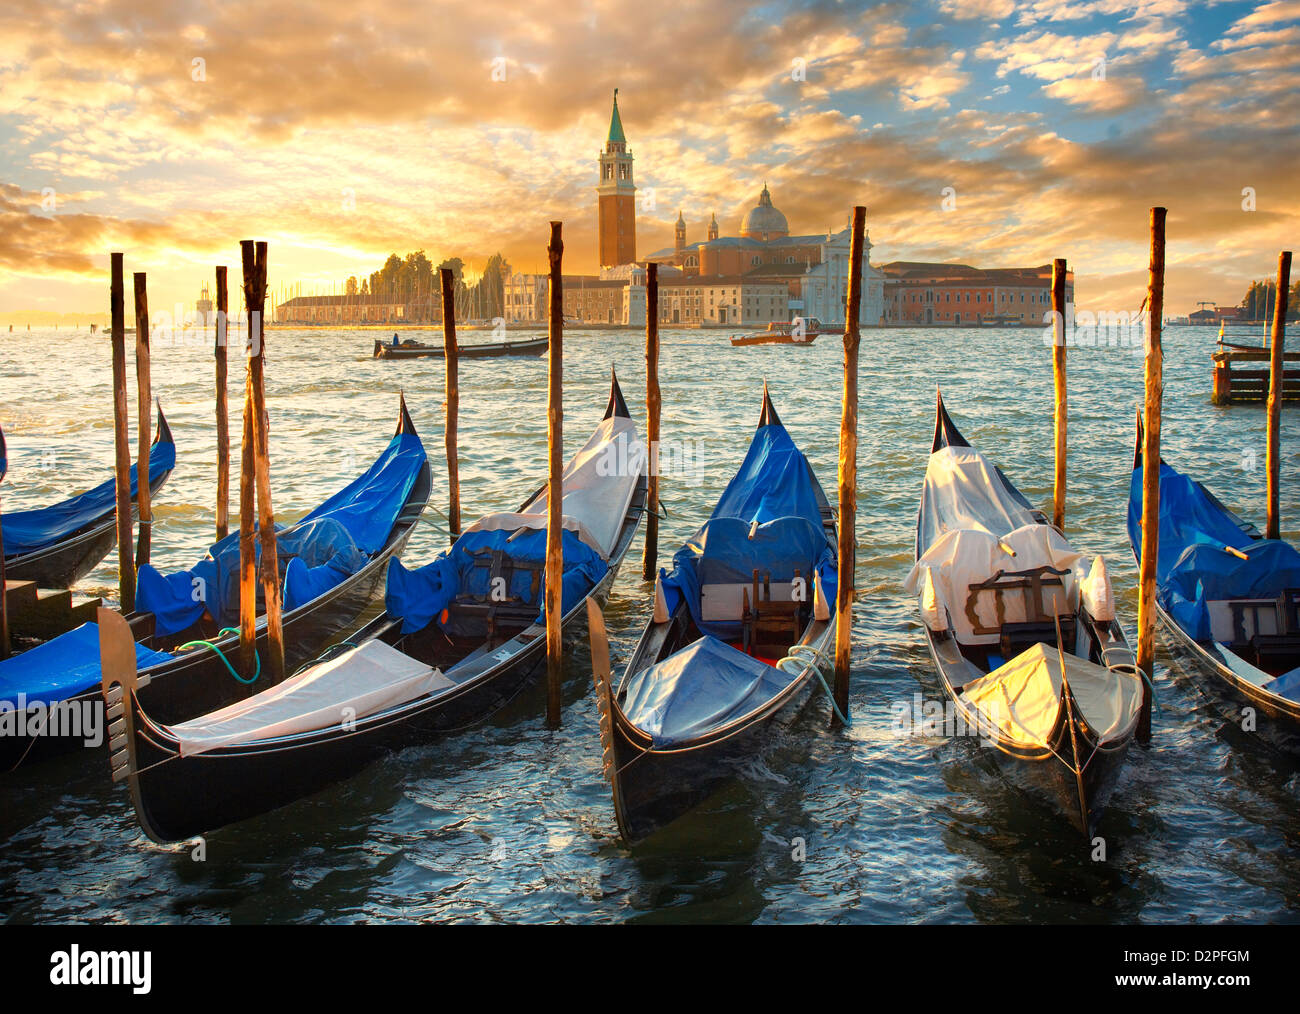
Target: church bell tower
point(616, 195)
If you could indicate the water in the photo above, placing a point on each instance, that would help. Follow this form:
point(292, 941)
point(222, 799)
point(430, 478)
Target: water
point(511, 822)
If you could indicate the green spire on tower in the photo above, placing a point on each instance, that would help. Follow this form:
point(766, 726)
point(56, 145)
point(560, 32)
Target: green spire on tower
point(616, 123)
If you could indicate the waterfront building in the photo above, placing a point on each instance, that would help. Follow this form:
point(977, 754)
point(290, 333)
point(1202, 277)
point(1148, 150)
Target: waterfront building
point(959, 295)
point(813, 269)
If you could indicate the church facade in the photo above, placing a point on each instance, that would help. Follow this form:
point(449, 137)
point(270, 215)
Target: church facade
point(762, 273)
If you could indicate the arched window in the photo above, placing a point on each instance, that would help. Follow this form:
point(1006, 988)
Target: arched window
point(690, 261)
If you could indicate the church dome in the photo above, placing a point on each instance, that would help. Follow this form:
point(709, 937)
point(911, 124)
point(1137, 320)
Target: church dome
point(763, 221)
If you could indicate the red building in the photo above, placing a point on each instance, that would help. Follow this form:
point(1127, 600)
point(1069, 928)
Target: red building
point(958, 295)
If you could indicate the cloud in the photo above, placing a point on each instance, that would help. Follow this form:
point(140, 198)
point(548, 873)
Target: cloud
point(342, 133)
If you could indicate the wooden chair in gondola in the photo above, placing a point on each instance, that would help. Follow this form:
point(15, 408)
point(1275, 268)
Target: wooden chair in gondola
point(1274, 652)
point(767, 623)
point(502, 617)
point(1039, 627)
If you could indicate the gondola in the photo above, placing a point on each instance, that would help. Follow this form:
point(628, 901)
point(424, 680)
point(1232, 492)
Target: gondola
point(739, 627)
point(55, 547)
point(1023, 634)
point(483, 350)
point(1230, 598)
point(332, 565)
point(460, 636)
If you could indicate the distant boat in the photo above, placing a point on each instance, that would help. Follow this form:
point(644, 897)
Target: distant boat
point(800, 331)
point(411, 349)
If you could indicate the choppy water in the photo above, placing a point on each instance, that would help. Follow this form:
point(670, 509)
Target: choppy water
point(512, 822)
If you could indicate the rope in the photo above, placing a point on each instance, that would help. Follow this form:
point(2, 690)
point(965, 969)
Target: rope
point(222, 655)
point(817, 658)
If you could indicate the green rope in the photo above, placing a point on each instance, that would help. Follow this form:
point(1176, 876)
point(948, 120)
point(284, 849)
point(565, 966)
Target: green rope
point(221, 655)
point(816, 668)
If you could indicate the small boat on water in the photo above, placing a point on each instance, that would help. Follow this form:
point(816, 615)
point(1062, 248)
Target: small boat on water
point(1230, 598)
point(800, 331)
point(1023, 634)
point(57, 546)
point(410, 349)
point(332, 566)
point(739, 628)
point(459, 638)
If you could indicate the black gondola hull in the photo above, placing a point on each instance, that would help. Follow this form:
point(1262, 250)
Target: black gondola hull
point(198, 681)
point(65, 563)
point(241, 783)
point(179, 797)
point(656, 788)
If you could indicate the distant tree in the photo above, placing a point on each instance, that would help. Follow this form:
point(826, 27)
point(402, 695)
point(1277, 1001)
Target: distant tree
point(457, 267)
point(352, 286)
point(1261, 299)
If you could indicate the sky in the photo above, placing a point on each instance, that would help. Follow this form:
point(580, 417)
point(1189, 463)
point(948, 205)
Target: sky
point(340, 132)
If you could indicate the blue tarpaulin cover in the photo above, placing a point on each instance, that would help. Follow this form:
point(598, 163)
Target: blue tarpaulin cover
point(775, 486)
point(709, 684)
point(1193, 566)
point(417, 596)
point(27, 531)
point(331, 543)
point(704, 686)
point(61, 668)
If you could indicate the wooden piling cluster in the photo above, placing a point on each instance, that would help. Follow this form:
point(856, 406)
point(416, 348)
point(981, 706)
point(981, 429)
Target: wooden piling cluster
point(254, 264)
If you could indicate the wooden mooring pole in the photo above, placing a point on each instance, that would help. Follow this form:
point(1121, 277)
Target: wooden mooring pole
point(554, 486)
point(254, 263)
point(1058, 371)
point(247, 545)
point(121, 441)
point(1146, 649)
point(653, 404)
point(452, 355)
point(849, 469)
point(1276, 373)
point(144, 428)
point(223, 409)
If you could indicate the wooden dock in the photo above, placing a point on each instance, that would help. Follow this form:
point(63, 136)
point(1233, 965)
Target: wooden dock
point(1241, 374)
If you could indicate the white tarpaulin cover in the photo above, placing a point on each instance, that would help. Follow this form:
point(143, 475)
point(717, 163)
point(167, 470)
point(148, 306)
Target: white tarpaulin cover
point(1095, 593)
point(1023, 697)
point(367, 680)
point(964, 490)
point(598, 484)
point(968, 556)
